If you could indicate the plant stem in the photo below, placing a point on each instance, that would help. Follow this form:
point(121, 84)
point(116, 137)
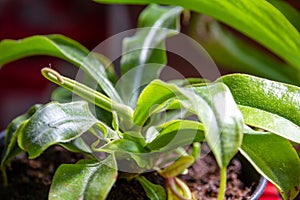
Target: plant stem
point(4, 177)
point(223, 180)
point(196, 150)
point(87, 93)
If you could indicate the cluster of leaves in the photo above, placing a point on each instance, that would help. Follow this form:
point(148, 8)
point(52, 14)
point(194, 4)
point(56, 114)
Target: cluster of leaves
point(150, 120)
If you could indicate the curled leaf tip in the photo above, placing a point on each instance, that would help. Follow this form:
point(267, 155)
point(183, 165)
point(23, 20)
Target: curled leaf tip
point(51, 72)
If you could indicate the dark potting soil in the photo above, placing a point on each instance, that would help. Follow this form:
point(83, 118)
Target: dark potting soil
point(31, 179)
point(203, 180)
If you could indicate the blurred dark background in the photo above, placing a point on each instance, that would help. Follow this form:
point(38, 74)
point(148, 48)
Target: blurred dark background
point(89, 23)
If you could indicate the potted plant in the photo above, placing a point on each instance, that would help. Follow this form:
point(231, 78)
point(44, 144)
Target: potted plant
point(142, 124)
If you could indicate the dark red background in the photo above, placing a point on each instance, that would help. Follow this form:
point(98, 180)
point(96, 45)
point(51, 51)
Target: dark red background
point(89, 23)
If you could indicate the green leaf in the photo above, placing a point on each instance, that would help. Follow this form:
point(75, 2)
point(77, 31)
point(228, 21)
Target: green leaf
point(144, 53)
point(214, 106)
point(105, 132)
point(61, 95)
point(271, 122)
point(78, 146)
point(189, 81)
point(254, 18)
point(174, 134)
point(177, 189)
point(153, 191)
point(109, 67)
point(291, 13)
point(55, 123)
point(274, 97)
point(61, 47)
point(177, 167)
point(151, 98)
point(275, 158)
point(123, 145)
point(84, 180)
point(11, 148)
point(168, 113)
point(89, 94)
point(128, 149)
point(236, 54)
point(229, 121)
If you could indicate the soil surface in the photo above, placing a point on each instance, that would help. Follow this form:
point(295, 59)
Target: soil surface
point(203, 180)
point(31, 179)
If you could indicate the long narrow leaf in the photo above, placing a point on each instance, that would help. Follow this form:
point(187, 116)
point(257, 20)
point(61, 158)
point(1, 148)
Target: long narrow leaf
point(274, 97)
point(271, 122)
point(291, 13)
point(254, 18)
point(61, 47)
point(236, 54)
point(143, 54)
point(89, 94)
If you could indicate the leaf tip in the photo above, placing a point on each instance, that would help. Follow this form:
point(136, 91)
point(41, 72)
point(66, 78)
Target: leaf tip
point(46, 71)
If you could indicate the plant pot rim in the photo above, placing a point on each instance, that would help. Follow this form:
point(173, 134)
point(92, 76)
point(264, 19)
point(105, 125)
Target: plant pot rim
point(260, 188)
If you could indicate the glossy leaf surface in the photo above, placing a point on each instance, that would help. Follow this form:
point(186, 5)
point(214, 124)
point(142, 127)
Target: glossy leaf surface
point(254, 18)
point(176, 133)
point(275, 158)
point(144, 53)
point(11, 148)
point(274, 97)
point(84, 180)
point(214, 106)
point(271, 122)
point(229, 119)
point(61, 47)
point(55, 123)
